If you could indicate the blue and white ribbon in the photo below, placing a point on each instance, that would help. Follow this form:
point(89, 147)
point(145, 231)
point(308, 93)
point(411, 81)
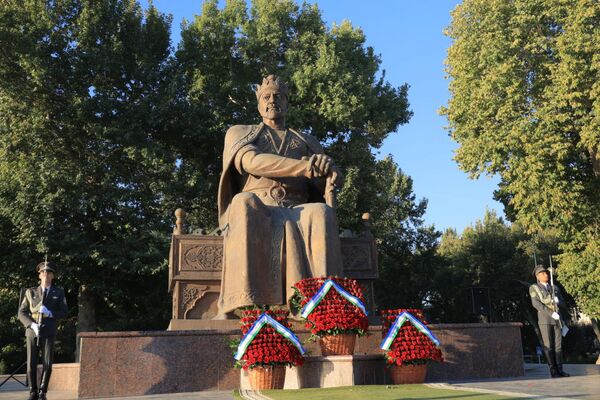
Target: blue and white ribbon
point(395, 328)
point(263, 320)
point(316, 299)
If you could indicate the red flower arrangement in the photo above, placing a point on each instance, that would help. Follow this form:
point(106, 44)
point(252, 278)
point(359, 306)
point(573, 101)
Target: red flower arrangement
point(410, 346)
point(334, 315)
point(269, 348)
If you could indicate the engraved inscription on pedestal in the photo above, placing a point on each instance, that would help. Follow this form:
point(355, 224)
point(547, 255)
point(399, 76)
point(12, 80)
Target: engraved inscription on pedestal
point(356, 257)
point(359, 257)
point(201, 257)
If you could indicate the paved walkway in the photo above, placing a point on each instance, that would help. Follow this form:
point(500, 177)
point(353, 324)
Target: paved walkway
point(584, 384)
point(21, 394)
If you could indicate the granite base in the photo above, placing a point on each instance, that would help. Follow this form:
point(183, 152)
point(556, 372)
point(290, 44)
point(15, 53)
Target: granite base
point(141, 363)
point(65, 377)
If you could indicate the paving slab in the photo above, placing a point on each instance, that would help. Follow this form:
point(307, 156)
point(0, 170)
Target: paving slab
point(584, 383)
point(13, 390)
point(64, 395)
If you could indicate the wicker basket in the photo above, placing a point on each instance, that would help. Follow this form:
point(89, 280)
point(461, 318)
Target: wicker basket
point(265, 378)
point(402, 374)
point(337, 345)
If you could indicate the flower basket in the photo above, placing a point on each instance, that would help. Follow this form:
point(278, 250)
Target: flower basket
point(267, 347)
point(268, 377)
point(336, 345)
point(334, 319)
point(404, 374)
point(413, 346)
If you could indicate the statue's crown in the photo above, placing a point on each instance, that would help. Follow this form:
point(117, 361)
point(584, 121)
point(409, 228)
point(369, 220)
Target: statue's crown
point(272, 82)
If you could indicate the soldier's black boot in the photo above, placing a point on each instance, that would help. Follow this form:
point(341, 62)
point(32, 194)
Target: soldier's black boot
point(33, 387)
point(44, 384)
point(554, 372)
point(561, 372)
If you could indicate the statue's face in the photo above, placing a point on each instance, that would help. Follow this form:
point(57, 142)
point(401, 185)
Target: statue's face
point(272, 104)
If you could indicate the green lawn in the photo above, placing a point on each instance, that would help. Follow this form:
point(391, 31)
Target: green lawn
point(381, 392)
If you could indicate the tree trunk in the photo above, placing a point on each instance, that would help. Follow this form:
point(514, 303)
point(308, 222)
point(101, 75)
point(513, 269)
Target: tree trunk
point(596, 328)
point(595, 157)
point(86, 314)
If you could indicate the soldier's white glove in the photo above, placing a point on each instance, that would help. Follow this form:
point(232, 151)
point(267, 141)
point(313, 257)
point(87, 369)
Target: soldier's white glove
point(36, 328)
point(555, 316)
point(556, 299)
point(45, 311)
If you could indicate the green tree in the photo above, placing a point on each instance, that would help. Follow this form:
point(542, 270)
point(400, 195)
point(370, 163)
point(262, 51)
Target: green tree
point(488, 254)
point(336, 90)
point(493, 254)
point(104, 133)
point(337, 94)
point(83, 169)
point(407, 247)
point(524, 105)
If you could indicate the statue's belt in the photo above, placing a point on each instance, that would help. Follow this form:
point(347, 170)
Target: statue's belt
point(281, 193)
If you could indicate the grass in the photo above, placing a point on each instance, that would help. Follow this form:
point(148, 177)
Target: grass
point(378, 392)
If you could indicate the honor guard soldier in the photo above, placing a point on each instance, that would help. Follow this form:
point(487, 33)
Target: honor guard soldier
point(545, 298)
point(41, 307)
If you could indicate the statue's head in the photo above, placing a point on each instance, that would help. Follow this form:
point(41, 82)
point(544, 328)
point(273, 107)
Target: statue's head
point(272, 98)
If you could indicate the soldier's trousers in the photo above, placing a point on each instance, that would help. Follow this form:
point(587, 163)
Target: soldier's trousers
point(552, 338)
point(46, 347)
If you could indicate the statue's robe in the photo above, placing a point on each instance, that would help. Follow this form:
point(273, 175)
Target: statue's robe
point(277, 228)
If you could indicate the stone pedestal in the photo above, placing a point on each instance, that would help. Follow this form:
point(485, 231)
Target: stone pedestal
point(65, 377)
point(141, 363)
point(332, 371)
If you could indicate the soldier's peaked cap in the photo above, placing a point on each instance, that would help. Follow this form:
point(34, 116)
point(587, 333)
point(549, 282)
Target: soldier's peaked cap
point(46, 266)
point(538, 269)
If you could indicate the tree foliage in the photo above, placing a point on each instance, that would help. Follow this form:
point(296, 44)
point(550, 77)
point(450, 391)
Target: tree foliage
point(336, 90)
point(406, 246)
point(82, 165)
point(105, 130)
point(337, 94)
point(489, 254)
point(525, 105)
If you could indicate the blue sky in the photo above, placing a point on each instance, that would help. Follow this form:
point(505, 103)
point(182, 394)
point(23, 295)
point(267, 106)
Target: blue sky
point(408, 35)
